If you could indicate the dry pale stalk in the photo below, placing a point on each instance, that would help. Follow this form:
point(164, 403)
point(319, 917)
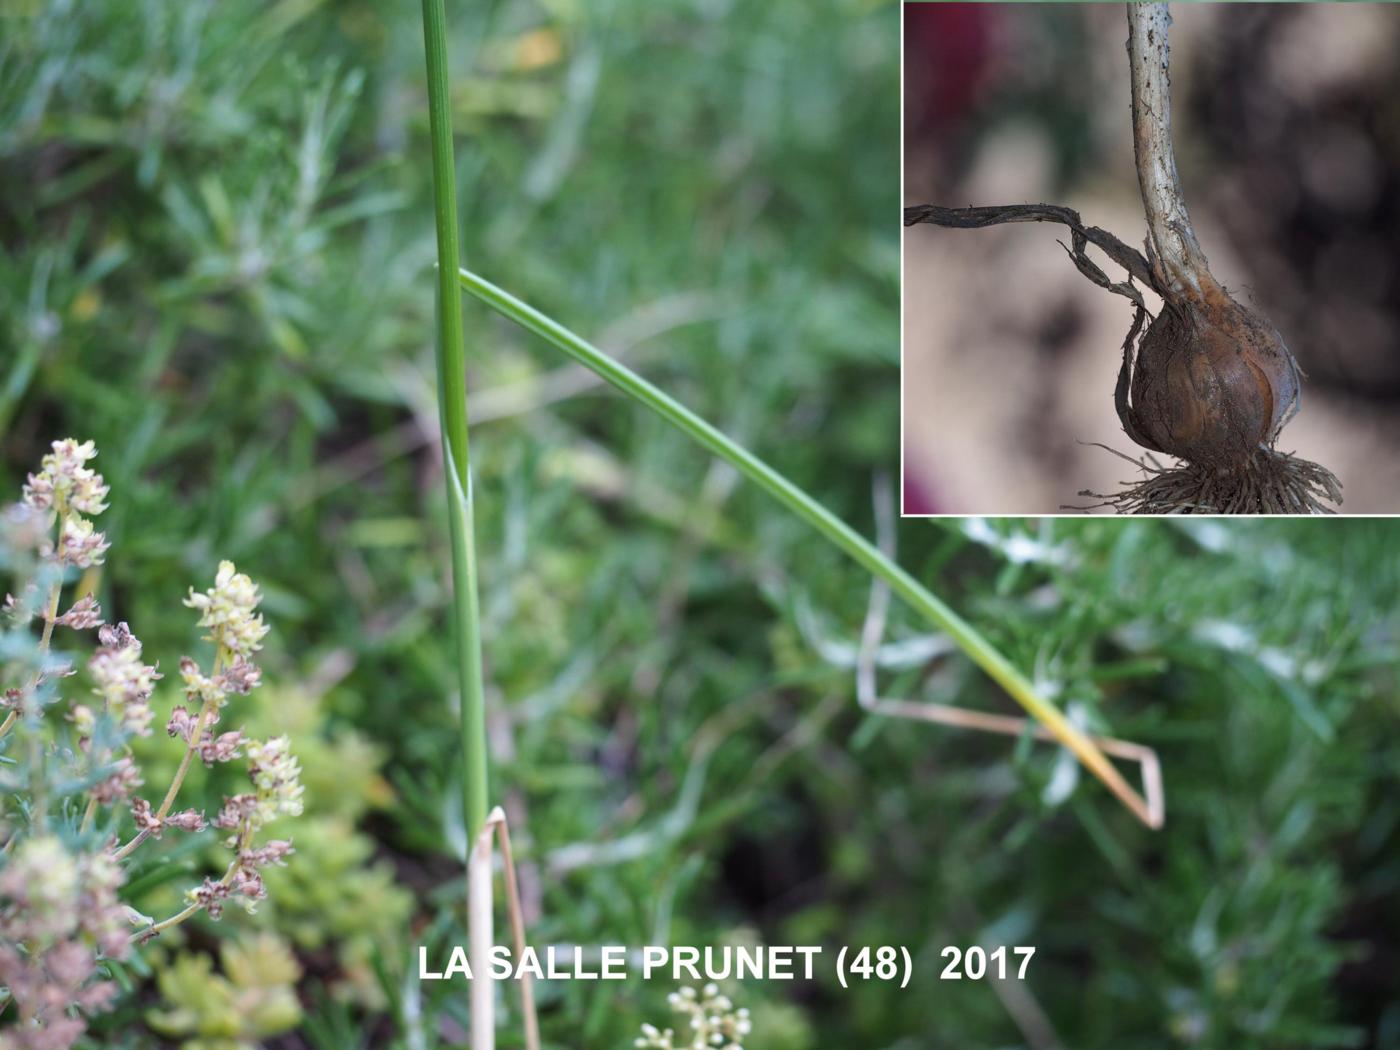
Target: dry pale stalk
point(479, 942)
point(1150, 807)
point(1178, 264)
point(480, 937)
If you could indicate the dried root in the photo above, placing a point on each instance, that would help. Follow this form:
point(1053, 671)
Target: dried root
point(1269, 482)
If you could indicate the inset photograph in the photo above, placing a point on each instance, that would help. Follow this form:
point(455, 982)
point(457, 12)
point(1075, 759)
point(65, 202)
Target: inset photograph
point(1154, 279)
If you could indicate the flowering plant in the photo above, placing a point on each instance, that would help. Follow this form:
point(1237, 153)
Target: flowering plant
point(710, 1021)
point(69, 779)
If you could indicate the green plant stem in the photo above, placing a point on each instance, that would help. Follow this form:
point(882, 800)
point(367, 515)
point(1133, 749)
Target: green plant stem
point(50, 616)
point(126, 851)
point(156, 929)
point(89, 813)
point(196, 738)
point(865, 553)
point(165, 924)
point(206, 711)
point(39, 802)
point(452, 408)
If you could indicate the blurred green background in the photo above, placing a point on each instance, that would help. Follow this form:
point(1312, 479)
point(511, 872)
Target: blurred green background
point(217, 251)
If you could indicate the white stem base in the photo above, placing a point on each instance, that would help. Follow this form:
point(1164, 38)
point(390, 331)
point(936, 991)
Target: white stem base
point(479, 942)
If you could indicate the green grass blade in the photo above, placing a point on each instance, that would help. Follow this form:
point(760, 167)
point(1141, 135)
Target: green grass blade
point(833, 528)
point(452, 407)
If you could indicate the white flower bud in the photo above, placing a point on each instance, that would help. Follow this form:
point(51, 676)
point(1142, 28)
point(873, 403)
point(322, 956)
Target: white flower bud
point(227, 610)
point(276, 776)
point(64, 485)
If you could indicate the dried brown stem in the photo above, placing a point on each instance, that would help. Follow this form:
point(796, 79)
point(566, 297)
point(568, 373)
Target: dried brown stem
point(1176, 267)
point(1178, 264)
point(497, 820)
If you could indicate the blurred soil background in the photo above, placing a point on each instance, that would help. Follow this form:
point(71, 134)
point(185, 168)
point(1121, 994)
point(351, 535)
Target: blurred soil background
point(1287, 128)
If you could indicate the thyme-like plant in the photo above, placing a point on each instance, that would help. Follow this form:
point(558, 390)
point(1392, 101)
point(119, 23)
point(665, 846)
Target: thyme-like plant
point(709, 1020)
point(70, 776)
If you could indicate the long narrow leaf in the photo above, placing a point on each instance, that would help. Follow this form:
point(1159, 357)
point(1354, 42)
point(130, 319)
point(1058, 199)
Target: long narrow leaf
point(452, 406)
point(452, 410)
point(869, 556)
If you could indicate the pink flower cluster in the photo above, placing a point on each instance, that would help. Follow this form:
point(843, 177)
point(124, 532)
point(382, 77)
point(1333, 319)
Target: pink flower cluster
point(59, 916)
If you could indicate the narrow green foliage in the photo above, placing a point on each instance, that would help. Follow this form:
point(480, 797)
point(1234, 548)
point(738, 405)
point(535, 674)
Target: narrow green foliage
point(870, 557)
point(452, 406)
